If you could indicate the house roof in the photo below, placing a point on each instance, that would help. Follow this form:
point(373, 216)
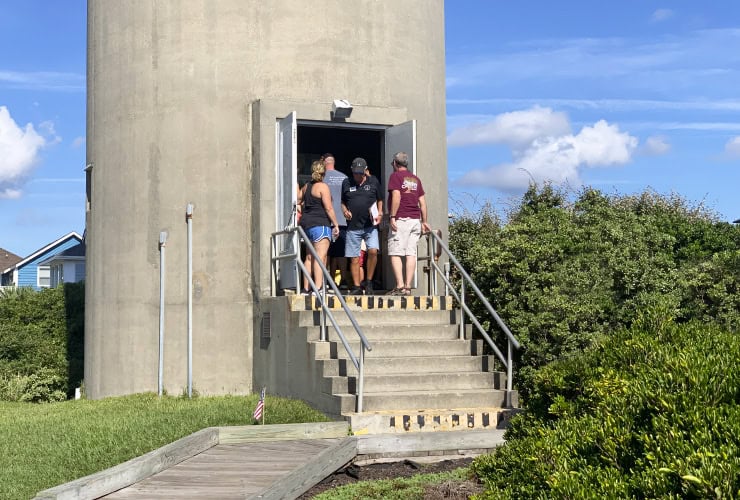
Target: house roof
point(76, 252)
point(43, 250)
point(8, 259)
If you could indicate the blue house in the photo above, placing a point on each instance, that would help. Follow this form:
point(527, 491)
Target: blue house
point(67, 266)
point(34, 270)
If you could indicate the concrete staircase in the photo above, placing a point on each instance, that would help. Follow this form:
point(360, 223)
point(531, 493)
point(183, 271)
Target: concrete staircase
point(419, 376)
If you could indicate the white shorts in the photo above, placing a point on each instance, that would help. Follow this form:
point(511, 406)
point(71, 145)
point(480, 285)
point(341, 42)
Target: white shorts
point(403, 241)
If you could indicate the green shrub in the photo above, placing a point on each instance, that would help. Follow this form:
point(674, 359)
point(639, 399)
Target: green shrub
point(563, 273)
point(645, 413)
point(43, 386)
point(42, 334)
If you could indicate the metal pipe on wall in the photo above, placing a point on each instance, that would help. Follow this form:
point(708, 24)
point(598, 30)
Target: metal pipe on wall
point(162, 245)
point(189, 219)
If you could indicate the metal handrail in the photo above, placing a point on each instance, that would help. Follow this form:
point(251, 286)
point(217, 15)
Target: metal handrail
point(297, 232)
point(434, 238)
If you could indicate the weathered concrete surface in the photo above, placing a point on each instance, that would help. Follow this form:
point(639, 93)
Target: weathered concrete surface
point(183, 97)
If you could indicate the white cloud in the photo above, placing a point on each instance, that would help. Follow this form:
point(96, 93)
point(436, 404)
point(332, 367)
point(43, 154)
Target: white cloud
point(19, 150)
point(47, 127)
point(656, 145)
point(516, 129)
point(661, 15)
point(43, 80)
point(732, 148)
point(722, 105)
point(556, 158)
point(702, 62)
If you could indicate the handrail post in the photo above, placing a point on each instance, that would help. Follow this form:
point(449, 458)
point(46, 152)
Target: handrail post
point(430, 272)
point(461, 334)
point(509, 372)
point(322, 298)
point(298, 274)
point(273, 266)
point(447, 275)
point(361, 379)
point(322, 323)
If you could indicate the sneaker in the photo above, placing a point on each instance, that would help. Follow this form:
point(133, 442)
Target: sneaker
point(368, 286)
point(305, 291)
point(356, 290)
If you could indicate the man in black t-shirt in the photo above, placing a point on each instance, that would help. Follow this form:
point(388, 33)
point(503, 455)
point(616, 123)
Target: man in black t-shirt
point(362, 206)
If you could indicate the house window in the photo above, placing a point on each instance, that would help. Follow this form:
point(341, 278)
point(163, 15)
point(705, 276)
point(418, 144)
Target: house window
point(44, 276)
point(57, 275)
point(79, 271)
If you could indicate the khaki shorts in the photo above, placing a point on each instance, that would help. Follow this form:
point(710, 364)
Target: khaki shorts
point(403, 242)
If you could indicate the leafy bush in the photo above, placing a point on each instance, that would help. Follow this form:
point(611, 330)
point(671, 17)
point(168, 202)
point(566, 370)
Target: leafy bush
point(563, 273)
point(41, 341)
point(646, 413)
point(40, 387)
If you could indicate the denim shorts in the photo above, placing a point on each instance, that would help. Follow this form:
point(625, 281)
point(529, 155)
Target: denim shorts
point(318, 233)
point(355, 236)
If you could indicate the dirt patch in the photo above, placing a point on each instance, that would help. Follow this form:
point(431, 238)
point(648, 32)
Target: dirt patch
point(406, 468)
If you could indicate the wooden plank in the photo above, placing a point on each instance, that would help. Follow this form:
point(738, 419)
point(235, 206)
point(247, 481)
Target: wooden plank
point(229, 471)
point(127, 473)
point(429, 441)
point(305, 477)
point(282, 432)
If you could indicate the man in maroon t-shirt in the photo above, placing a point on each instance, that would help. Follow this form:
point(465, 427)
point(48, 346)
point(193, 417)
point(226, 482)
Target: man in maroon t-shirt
point(408, 219)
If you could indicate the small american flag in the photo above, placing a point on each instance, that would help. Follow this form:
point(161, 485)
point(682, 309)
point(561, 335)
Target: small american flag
point(260, 406)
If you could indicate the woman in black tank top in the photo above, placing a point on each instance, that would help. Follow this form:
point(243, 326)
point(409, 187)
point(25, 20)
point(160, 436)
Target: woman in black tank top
point(318, 220)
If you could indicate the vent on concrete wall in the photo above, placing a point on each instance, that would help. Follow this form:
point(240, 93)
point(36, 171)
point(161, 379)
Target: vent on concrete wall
point(266, 326)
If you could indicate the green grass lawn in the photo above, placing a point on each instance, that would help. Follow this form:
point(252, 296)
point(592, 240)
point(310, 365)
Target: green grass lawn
point(44, 445)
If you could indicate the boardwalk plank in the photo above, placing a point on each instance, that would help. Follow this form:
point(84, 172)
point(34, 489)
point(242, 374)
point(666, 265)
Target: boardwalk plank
point(229, 470)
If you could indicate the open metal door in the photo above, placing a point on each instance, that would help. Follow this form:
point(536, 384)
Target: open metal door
point(286, 195)
point(401, 137)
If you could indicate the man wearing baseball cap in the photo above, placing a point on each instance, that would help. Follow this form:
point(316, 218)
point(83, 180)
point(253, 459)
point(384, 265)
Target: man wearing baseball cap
point(362, 207)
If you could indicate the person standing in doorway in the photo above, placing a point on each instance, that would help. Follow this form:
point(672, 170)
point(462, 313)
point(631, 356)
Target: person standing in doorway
point(362, 205)
point(407, 210)
point(334, 179)
point(318, 219)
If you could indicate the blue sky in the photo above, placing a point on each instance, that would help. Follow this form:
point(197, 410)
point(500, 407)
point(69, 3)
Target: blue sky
point(622, 96)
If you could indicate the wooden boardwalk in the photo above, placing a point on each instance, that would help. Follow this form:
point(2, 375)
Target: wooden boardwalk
point(270, 462)
point(229, 471)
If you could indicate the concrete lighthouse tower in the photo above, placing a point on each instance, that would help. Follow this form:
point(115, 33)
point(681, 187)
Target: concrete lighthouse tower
point(224, 104)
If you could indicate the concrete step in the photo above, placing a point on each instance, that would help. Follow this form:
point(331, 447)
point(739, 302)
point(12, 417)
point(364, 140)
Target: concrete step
point(381, 318)
point(433, 399)
point(458, 419)
point(372, 302)
point(401, 382)
point(397, 348)
point(420, 365)
point(375, 333)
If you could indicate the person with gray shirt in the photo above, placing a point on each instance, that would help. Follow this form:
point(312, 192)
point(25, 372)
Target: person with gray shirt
point(334, 179)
